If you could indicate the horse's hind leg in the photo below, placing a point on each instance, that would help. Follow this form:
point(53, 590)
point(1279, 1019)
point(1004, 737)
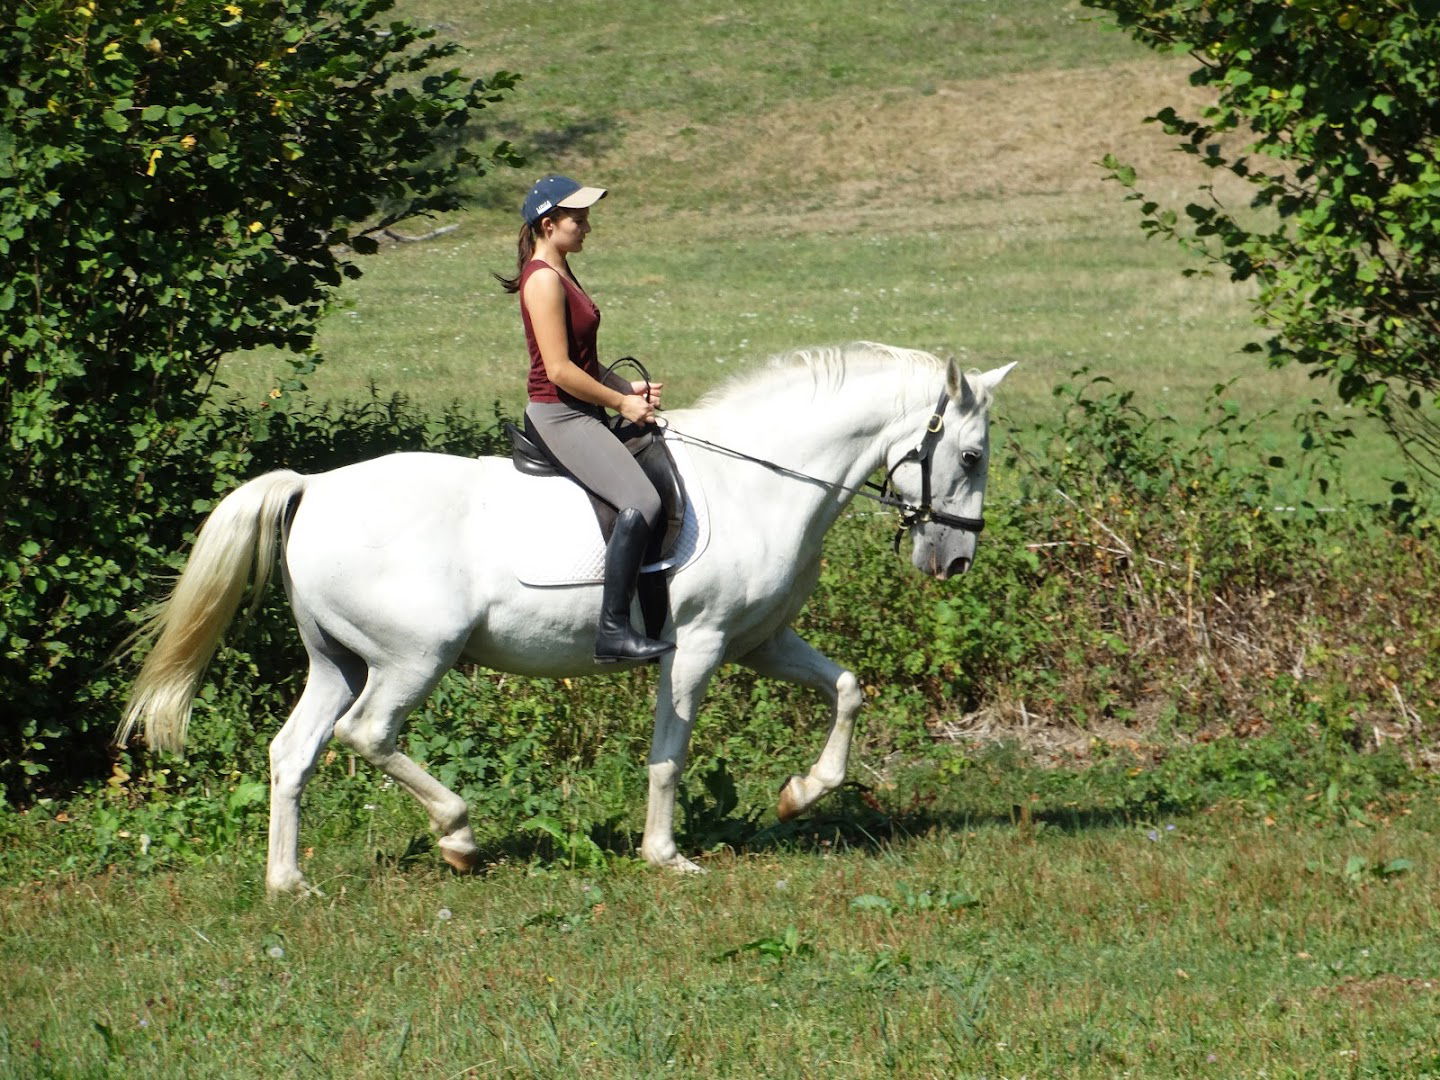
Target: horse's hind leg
point(787, 656)
point(370, 728)
point(331, 687)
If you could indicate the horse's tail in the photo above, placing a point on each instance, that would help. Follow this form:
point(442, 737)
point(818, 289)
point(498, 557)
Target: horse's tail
point(239, 540)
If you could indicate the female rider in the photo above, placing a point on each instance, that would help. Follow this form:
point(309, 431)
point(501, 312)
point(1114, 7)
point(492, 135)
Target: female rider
point(569, 393)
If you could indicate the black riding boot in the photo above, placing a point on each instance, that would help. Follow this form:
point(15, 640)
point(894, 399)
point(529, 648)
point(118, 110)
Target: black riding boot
point(615, 638)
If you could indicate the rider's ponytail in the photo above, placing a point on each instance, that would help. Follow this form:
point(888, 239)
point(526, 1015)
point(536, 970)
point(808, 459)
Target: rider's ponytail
point(524, 253)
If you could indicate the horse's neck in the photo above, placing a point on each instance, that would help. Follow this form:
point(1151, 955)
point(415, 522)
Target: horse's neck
point(837, 435)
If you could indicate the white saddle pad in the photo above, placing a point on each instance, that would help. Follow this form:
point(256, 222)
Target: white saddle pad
point(558, 542)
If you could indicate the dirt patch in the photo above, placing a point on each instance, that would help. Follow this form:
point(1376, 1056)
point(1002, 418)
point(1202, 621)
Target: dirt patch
point(1380, 990)
point(1039, 133)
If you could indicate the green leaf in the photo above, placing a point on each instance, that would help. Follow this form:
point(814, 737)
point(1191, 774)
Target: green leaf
point(247, 794)
point(126, 286)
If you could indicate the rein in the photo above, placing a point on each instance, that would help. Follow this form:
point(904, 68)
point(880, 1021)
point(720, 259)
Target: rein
point(911, 514)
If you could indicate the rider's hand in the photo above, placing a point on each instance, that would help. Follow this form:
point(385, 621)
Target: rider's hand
point(636, 409)
point(643, 388)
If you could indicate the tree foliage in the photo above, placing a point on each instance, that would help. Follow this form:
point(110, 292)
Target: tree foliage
point(179, 179)
point(1334, 103)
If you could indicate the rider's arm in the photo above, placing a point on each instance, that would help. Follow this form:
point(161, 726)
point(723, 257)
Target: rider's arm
point(613, 380)
point(639, 386)
point(545, 301)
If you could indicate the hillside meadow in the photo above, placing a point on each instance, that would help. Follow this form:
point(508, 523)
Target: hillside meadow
point(1148, 794)
point(919, 176)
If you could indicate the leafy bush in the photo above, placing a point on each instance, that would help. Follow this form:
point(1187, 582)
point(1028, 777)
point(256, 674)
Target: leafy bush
point(258, 674)
point(177, 181)
point(1136, 594)
point(1335, 103)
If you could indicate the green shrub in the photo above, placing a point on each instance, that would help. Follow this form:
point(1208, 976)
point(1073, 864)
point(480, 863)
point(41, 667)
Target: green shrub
point(177, 181)
point(1326, 108)
point(258, 673)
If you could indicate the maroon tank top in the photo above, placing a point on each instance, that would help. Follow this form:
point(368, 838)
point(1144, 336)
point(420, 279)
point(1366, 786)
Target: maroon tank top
point(582, 327)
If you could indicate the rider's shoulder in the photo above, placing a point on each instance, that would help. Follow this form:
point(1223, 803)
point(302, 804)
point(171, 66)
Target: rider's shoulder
point(542, 279)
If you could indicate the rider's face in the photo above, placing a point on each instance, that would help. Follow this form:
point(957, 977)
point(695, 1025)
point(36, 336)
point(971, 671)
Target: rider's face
point(569, 229)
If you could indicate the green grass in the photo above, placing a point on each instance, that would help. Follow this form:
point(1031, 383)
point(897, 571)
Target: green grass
point(697, 323)
point(607, 61)
point(1054, 301)
point(763, 202)
point(1071, 944)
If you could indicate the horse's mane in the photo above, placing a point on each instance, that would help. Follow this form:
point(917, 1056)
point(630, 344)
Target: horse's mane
point(828, 367)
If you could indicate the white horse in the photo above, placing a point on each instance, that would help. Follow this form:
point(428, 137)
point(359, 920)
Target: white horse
point(396, 571)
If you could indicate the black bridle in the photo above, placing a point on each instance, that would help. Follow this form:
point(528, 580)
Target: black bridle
point(912, 514)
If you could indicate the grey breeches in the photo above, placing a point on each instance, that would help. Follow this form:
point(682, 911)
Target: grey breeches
point(595, 457)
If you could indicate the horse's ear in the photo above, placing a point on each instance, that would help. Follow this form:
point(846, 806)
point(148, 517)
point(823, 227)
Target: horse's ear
point(961, 392)
point(991, 379)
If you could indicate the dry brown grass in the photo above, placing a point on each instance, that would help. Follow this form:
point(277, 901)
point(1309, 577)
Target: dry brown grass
point(910, 155)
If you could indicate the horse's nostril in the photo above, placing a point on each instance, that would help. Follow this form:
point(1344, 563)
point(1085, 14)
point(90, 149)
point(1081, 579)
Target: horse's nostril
point(957, 567)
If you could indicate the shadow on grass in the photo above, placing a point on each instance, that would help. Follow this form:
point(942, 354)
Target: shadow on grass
point(588, 137)
point(851, 819)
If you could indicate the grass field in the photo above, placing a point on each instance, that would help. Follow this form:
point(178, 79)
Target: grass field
point(919, 173)
point(923, 175)
point(964, 940)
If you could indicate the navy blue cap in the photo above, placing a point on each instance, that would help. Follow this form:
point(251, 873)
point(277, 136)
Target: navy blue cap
point(555, 190)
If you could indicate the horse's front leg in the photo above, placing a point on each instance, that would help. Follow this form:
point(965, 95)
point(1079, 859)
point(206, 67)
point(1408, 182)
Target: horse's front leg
point(684, 675)
point(787, 656)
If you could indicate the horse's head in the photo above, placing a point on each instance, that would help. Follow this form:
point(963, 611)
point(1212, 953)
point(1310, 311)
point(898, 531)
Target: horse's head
point(959, 464)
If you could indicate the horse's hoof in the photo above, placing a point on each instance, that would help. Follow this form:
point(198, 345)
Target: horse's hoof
point(790, 806)
point(298, 889)
point(673, 861)
point(462, 860)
